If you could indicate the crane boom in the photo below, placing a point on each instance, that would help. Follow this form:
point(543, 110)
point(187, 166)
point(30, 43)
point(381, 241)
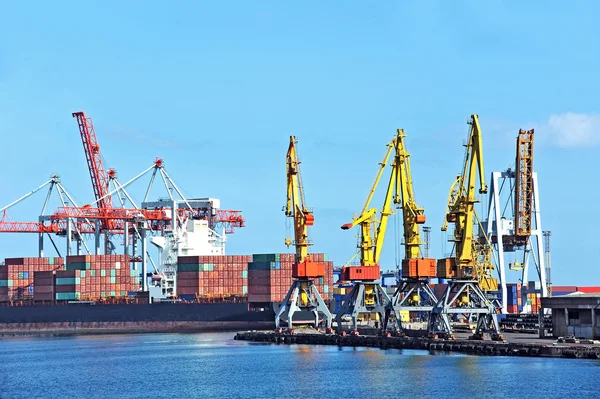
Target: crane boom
point(91, 148)
point(413, 215)
point(391, 195)
point(368, 243)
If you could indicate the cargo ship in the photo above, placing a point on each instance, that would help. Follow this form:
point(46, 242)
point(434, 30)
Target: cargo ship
point(101, 293)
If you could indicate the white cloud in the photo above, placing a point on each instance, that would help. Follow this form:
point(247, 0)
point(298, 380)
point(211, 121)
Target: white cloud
point(571, 130)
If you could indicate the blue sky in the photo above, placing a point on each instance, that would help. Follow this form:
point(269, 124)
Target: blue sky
point(215, 89)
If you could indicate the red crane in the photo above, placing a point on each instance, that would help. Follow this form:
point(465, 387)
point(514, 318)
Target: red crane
point(58, 226)
point(98, 174)
point(229, 219)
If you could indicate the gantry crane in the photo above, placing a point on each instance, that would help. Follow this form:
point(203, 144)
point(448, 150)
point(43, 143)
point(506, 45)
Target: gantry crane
point(303, 294)
point(367, 295)
point(471, 266)
point(517, 228)
point(413, 293)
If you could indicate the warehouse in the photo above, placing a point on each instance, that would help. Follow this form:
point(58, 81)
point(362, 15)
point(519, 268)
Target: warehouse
point(575, 315)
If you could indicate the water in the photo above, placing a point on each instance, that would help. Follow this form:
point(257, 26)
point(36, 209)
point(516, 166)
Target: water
point(215, 366)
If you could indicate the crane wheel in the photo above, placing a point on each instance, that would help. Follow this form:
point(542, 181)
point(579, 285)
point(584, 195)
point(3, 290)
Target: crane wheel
point(400, 334)
point(497, 337)
point(477, 337)
point(279, 330)
point(329, 330)
point(342, 333)
point(290, 331)
point(354, 333)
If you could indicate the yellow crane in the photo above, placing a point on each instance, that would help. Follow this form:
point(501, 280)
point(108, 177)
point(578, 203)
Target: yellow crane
point(472, 254)
point(367, 295)
point(303, 294)
point(471, 265)
point(413, 293)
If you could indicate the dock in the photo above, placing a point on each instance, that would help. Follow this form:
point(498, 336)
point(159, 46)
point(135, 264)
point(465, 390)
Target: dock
point(514, 345)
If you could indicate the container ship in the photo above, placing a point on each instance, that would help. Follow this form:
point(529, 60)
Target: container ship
point(101, 293)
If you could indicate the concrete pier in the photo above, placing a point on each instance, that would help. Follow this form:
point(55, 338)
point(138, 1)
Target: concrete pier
point(487, 348)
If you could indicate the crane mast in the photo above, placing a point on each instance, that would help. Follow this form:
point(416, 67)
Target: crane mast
point(303, 294)
point(471, 266)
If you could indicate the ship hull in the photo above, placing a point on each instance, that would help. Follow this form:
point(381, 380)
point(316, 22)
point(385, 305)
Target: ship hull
point(88, 318)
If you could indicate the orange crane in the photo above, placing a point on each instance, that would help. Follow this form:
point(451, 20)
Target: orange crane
point(303, 294)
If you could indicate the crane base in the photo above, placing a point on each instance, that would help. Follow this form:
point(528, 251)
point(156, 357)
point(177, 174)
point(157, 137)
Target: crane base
point(412, 295)
point(464, 297)
point(365, 297)
point(303, 295)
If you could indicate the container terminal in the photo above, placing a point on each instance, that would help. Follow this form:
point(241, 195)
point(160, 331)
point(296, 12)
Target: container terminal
point(194, 285)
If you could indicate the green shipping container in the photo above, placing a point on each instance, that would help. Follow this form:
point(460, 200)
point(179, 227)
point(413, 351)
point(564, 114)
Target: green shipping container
point(325, 257)
point(10, 283)
point(244, 289)
point(113, 272)
point(102, 273)
point(113, 280)
point(266, 257)
point(78, 266)
point(326, 289)
point(67, 296)
point(134, 273)
point(20, 275)
point(93, 272)
point(245, 274)
point(3, 283)
point(113, 293)
point(82, 274)
point(68, 280)
point(50, 261)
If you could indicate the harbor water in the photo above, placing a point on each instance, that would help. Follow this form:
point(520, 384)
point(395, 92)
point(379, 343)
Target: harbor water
point(213, 365)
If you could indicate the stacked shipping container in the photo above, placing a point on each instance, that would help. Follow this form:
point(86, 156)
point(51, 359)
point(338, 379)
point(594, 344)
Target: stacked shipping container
point(17, 276)
point(270, 277)
point(212, 275)
point(92, 277)
point(513, 298)
point(43, 286)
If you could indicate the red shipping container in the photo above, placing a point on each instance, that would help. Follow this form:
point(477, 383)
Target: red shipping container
point(587, 290)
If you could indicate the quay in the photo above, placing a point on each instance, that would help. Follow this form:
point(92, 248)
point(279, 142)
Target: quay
point(514, 345)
